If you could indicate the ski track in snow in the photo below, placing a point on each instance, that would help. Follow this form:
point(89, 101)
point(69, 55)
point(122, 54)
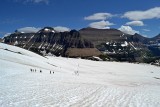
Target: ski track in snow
point(99, 84)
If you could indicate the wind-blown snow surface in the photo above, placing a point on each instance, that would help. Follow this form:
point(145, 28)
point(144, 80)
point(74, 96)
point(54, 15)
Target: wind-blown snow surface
point(75, 82)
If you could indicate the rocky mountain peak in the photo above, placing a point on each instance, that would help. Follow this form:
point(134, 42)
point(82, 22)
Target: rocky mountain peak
point(47, 30)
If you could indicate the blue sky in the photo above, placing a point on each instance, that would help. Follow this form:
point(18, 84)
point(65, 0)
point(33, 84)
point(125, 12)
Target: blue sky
point(130, 16)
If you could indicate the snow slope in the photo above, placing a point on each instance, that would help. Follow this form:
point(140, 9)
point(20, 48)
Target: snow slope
point(75, 82)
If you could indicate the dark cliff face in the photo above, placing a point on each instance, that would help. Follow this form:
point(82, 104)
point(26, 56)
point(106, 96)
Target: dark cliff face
point(48, 41)
point(137, 38)
point(107, 35)
point(98, 36)
point(156, 38)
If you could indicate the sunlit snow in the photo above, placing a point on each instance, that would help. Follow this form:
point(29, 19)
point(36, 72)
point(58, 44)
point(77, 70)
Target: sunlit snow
point(67, 82)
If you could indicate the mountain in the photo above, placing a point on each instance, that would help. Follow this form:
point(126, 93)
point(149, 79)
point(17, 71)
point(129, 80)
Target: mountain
point(115, 44)
point(87, 42)
point(156, 39)
point(98, 36)
point(137, 38)
point(48, 41)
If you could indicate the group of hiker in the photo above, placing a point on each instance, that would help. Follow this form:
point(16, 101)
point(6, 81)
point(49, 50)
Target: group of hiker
point(51, 72)
point(76, 72)
point(34, 70)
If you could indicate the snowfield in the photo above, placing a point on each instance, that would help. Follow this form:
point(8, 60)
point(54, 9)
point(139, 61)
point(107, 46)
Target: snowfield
point(75, 82)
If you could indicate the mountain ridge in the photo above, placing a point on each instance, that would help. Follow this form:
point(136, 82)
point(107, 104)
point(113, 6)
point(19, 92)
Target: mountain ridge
point(110, 42)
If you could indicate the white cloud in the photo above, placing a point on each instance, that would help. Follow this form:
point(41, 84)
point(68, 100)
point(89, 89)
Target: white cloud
point(61, 29)
point(135, 23)
point(99, 16)
point(38, 1)
point(101, 24)
point(128, 30)
point(33, 1)
point(147, 30)
point(7, 34)
point(141, 15)
point(28, 30)
point(145, 35)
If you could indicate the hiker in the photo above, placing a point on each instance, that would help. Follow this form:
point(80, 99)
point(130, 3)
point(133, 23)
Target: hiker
point(76, 72)
point(31, 70)
point(53, 72)
point(40, 71)
point(50, 72)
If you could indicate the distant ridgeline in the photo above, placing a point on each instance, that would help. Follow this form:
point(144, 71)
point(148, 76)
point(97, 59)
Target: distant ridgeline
point(108, 44)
